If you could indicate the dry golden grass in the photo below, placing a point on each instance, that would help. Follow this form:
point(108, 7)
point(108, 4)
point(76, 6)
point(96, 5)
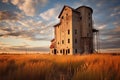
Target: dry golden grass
point(54, 67)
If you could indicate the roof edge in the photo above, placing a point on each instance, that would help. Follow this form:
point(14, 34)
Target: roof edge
point(63, 9)
point(86, 7)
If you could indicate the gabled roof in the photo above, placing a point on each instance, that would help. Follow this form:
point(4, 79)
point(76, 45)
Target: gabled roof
point(63, 10)
point(75, 10)
point(68, 7)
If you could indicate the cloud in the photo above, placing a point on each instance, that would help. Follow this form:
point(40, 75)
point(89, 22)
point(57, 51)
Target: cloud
point(110, 38)
point(27, 29)
point(100, 27)
point(29, 7)
point(114, 14)
point(47, 15)
point(24, 48)
point(5, 1)
point(52, 13)
point(6, 15)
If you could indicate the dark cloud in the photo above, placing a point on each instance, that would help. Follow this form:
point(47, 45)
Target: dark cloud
point(7, 29)
point(33, 34)
point(112, 38)
point(5, 15)
point(23, 48)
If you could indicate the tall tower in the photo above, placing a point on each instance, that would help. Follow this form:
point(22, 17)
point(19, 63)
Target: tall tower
point(86, 29)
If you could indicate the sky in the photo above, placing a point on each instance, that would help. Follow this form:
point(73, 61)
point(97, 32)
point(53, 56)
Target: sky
point(27, 25)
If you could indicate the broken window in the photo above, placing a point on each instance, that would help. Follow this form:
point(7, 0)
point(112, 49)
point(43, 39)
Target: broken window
point(68, 31)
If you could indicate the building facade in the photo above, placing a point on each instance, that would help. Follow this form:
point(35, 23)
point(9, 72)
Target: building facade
point(74, 32)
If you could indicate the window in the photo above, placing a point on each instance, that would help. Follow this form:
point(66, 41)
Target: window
point(68, 40)
point(68, 50)
point(58, 42)
point(89, 14)
point(62, 41)
point(60, 51)
point(75, 50)
point(75, 31)
point(80, 18)
point(68, 31)
point(62, 17)
point(89, 24)
point(66, 14)
point(75, 40)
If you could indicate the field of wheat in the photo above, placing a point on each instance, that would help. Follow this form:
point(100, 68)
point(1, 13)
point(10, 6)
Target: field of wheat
point(54, 67)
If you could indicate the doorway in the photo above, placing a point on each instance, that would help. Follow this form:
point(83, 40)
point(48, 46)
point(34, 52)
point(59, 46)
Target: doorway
point(55, 51)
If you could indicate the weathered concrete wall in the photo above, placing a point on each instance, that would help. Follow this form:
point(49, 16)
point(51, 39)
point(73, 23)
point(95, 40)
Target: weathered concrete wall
point(62, 35)
point(86, 30)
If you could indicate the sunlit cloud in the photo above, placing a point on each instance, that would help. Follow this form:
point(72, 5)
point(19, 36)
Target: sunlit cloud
point(114, 14)
point(100, 27)
point(29, 7)
point(48, 14)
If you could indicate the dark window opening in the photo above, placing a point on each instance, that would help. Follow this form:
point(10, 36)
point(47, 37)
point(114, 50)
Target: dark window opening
point(68, 50)
point(55, 51)
point(68, 40)
point(58, 42)
point(68, 31)
point(62, 17)
point(75, 31)
point(66, 14)
point(75, 40)
point(80, 18)
point(62, 41)
point(89, 14)
point(75, 50)
point(60, 51)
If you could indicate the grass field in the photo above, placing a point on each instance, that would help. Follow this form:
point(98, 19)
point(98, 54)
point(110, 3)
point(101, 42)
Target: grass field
point(54, 67)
